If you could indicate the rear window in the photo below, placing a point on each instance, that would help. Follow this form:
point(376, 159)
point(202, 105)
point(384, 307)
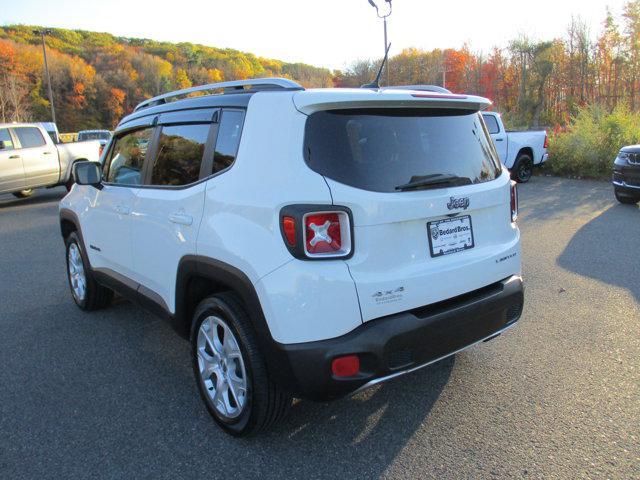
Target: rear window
point(29, 137)
point(380, 149)
point(492, 124)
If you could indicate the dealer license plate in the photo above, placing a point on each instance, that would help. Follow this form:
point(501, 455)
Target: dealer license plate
point(450, 235)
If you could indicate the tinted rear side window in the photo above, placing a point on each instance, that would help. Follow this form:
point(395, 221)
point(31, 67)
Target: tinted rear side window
point(228, 140)
point(379, 149)
point(492, 124)
point(29, 137)
point(180, 152)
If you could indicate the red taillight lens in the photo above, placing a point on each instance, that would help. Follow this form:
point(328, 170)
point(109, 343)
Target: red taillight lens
point(101, 149)
point(289, 229)
point(346, 366)
point(514, 201)
point(327, 234)
point(546, 141)
point(322, 233)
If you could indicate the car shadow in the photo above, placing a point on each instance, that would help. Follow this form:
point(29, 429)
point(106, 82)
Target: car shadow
point(362, 433)
point(606, 248)
point(38, 197)
point(544, 198)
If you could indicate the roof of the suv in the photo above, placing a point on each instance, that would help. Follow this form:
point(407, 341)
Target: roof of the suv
point(235, 95)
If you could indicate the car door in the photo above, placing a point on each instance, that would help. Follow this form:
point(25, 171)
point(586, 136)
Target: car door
point(499, 135)
point(107, 224)
point(39, 157)
point(11, 169)
point(168, 208)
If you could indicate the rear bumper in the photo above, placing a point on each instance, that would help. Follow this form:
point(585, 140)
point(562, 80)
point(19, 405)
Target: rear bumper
point(401, 343)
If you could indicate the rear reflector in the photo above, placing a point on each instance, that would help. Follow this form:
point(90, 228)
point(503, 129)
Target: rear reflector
point(289, 229)
point(514, 201)
point(347, 366)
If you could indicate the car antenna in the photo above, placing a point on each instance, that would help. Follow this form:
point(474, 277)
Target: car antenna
point(375, 83)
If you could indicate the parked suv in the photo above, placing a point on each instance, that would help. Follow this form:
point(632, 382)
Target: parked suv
point(309, 243)
point(626, 175)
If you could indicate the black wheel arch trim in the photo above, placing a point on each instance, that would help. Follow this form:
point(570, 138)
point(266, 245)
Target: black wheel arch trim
point(235, 280)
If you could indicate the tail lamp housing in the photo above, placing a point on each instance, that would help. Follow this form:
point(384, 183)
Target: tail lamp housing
point(514, 201)
point(317, 232)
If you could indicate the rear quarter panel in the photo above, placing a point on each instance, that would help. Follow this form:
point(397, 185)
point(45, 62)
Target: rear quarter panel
point(241, 227)
point(526, 139)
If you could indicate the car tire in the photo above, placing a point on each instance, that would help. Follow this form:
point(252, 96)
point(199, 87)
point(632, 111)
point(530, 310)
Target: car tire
point(88, 294)
point(69, 183)
point(626, 199)
point(522, 168)
point(23, 193)
point(230, 370)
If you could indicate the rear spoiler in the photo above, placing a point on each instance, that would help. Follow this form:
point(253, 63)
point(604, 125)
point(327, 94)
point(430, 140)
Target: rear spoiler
point(310, 101)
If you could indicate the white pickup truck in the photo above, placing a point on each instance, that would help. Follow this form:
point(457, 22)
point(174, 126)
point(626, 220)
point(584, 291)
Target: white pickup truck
point(29, 159)
point(518, 151)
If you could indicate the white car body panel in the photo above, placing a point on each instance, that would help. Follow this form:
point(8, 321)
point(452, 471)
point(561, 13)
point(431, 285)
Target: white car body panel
point(165, 224)
point(392, 239)
point(107, 226)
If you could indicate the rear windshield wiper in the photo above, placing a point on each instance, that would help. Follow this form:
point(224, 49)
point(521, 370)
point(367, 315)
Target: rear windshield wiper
point(432, 181)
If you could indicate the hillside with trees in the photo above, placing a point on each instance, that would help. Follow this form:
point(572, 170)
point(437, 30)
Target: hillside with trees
point(98, 77)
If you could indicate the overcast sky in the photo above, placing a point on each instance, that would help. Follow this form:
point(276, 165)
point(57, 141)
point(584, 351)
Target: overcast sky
point(329, 33)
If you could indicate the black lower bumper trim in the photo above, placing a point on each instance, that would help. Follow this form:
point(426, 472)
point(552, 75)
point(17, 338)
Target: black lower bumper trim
point(398, 343)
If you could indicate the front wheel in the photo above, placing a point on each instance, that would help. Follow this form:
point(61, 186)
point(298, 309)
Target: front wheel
point(87, 293)
point(23, 193)
point(522, 169)
point(625, 199)
point(230, 371)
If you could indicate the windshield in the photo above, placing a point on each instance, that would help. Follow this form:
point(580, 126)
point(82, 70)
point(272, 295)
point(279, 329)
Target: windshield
point(82, 136)
point(381, 149)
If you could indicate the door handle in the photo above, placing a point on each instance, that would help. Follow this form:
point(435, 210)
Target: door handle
point(499, 139)
point(122, 210)
point(47, 153)
point(181, 218)
point(13, 157)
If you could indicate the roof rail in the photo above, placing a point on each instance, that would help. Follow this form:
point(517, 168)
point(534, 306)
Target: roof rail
point(426, 88)
point(234, 86)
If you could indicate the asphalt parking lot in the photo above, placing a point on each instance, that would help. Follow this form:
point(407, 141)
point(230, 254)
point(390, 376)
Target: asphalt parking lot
point(111, 394)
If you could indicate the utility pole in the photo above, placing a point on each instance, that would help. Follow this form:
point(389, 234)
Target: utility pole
point(444, 71)
point(384, 18)
point(42, 33)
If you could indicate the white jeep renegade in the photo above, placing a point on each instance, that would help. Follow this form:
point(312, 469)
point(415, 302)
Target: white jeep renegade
point(309, 243)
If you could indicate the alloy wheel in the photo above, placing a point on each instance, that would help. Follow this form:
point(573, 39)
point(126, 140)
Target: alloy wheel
point(77, 276)
point(221, 367)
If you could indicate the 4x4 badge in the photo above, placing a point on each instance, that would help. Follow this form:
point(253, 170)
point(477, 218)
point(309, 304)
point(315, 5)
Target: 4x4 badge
point(454, 203)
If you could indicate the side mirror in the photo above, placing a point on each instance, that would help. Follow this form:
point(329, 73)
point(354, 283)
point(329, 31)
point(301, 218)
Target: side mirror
point(87, 173)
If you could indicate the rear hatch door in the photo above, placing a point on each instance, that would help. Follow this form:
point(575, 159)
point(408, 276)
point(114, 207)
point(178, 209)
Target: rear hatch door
point(429, 199)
